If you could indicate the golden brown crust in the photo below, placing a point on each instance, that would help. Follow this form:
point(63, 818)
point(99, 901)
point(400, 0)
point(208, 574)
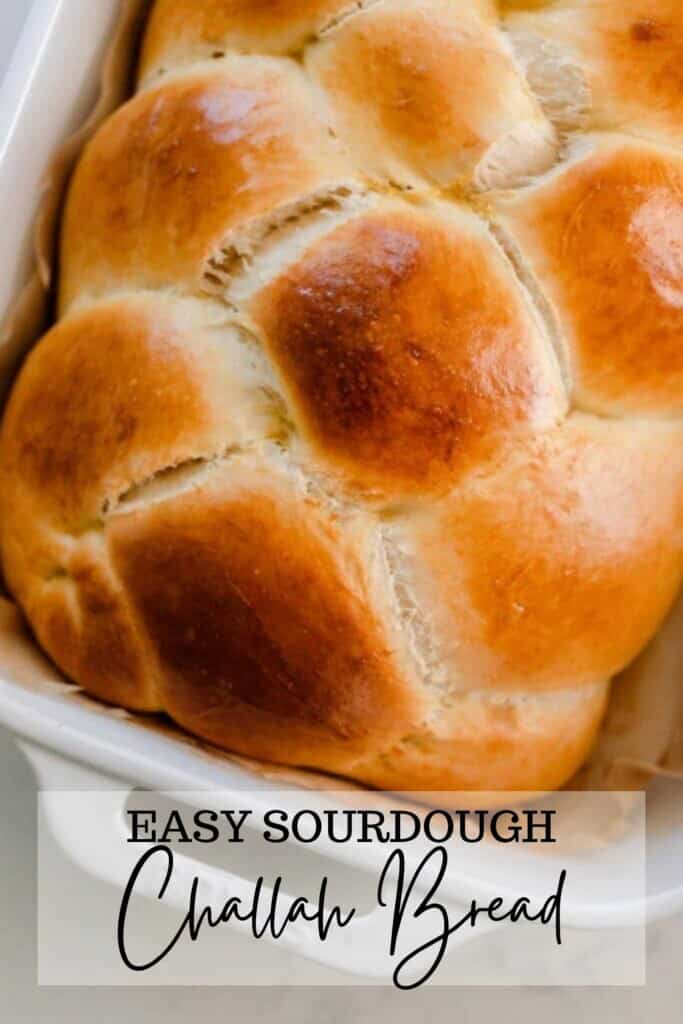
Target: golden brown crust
point(486, 746)
point(302, 463)
point(144, 384)
point(236, 623)
point(421, 91)
point(186, 30)
point(629, 54)
point(409, 348)
point(604, 238)
point(181, 166)
point(81, 617)
point(554, 569)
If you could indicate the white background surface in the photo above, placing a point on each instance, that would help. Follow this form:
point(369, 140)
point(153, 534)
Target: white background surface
point(12, 14)
point(21, 1001)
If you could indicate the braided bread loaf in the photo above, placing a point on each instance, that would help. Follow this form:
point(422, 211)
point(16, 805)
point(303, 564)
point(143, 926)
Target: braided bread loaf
point(357, 444)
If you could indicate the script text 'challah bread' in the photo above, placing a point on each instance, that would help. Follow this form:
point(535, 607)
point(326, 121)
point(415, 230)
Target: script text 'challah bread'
point(357, 444)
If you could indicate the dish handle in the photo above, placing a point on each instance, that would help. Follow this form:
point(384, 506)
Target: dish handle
point(102, 851)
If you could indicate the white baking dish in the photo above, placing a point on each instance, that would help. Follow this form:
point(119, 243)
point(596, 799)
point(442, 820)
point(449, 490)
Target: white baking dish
point(76, 745)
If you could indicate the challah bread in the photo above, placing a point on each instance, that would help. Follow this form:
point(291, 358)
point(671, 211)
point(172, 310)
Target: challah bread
point(601, 65)
point(357, 444)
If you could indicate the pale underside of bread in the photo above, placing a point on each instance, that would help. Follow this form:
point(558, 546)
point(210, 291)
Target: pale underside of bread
point(284, 582)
